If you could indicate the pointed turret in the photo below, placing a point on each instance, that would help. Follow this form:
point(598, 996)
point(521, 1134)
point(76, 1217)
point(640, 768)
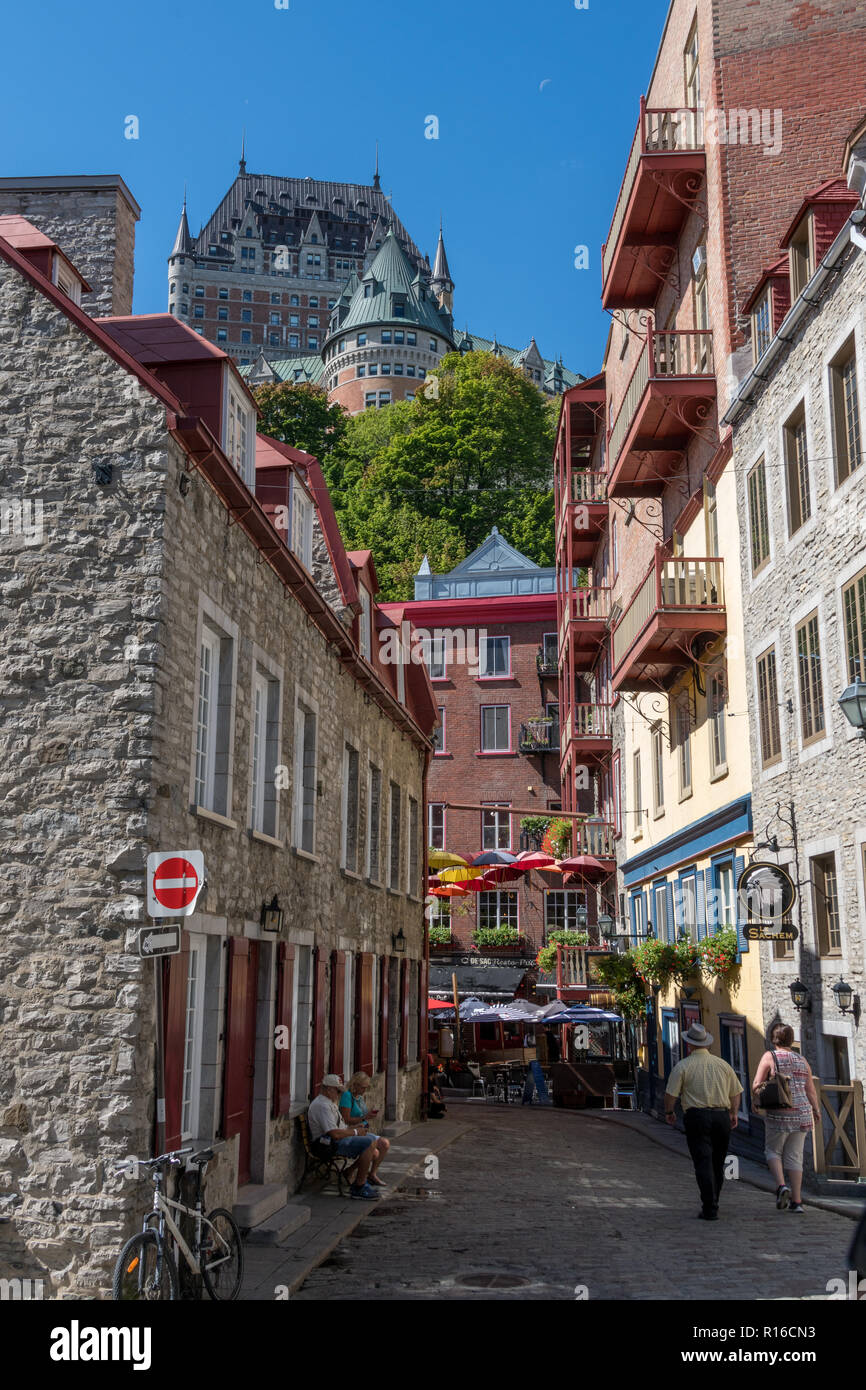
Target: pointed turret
point(441, 284)
point(242, 163)
point(376, 182)
point(183, 240)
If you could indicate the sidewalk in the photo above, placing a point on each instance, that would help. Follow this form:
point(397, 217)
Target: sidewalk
point(753, 1173)
point(277, 1271)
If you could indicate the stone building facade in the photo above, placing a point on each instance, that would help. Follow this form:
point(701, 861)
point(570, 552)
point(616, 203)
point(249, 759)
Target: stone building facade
point(798, 422)
point(185, 667)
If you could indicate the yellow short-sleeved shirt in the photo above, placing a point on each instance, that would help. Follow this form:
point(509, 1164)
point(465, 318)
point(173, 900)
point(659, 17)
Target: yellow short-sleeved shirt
point(703, 1081)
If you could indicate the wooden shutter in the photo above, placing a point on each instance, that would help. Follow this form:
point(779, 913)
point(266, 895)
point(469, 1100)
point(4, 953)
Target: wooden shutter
point(319, 995)
point(364, 1013)
point(237, 1059)
point(739, 867)
point(338, 1011)
point(422, 1009)
point(282, 1090)
point(383, 1013)
point(175, 970)
point(404, 1012)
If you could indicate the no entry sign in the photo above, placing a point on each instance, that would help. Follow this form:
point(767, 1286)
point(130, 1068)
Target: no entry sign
point(174, 881)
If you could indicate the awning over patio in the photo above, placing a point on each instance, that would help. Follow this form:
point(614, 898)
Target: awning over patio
point(476, 981)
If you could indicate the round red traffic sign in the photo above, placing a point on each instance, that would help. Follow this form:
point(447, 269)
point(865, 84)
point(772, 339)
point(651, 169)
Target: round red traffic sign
point(175, 883)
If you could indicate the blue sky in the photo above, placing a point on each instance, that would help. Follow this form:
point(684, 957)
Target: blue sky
point(536, 102)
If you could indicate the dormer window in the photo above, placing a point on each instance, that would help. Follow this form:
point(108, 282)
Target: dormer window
point(314, 239)
point(801, 256)
point(762, 318)
point(239, 431)
point(364, 623)
point(302, 524)
point(65, 279)
point(368, 291)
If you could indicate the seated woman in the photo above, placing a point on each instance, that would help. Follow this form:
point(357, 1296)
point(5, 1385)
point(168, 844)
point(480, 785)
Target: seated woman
point(435, 1103)
point(353, 1108)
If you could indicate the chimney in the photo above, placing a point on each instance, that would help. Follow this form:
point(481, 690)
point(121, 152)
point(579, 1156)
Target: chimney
point(92, 219)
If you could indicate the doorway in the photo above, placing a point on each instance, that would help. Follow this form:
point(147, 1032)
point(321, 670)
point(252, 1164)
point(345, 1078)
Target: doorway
point(240, 1064)
point(394, 1026)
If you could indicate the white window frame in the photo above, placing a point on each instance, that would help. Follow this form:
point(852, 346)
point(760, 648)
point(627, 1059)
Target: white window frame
point(302, 1017)
point(500, 819)
point(372, 768)
point(306, 707)
point(484, 672)
point(239, 431)
point(301, 526)
point(267, 681)
point(484, 747)
point(431, 807)
point(365, 622)
point(395, 792)
point(351, 868)
point(219, 634)
point(192, 1052)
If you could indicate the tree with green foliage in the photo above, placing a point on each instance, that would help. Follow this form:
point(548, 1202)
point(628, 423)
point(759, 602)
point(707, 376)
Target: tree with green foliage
point(297, 413)
point(434, 475)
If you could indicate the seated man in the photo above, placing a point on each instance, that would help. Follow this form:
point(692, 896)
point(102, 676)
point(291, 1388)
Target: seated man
point(329, 1134)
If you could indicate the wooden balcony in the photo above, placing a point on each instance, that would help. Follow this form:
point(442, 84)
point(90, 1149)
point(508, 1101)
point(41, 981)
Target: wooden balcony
point(587, 514)
point(678, 601)
point(665, 173)
point(570, 967)
point(597, 839)
point(584, 619)
point(546, 663)
point(588, 727)
point(669, 397)
point(539, 735)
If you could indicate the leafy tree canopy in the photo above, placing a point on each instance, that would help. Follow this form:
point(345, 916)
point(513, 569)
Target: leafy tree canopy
point(298, 414)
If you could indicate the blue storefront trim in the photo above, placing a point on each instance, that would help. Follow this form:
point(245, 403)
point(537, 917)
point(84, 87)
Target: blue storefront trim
point(702, 838)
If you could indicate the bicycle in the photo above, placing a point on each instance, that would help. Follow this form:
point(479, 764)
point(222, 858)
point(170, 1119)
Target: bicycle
point(146, 1268)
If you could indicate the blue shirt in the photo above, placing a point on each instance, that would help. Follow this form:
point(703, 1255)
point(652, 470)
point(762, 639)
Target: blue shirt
point(354, 1104)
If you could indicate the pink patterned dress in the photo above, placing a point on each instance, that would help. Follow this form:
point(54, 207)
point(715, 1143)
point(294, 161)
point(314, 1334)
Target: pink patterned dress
point(796, 1069)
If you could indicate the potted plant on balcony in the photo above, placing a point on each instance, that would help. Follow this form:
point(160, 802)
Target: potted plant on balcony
point(619, 973)
point(664, 963)
point(557, 839)
point(534, 828)
point(719, 954)
point(546, 958)
point(439, 936)
point(493, 937)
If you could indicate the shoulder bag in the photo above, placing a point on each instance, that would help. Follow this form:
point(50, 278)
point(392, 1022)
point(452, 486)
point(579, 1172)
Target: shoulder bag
point(775, 1092)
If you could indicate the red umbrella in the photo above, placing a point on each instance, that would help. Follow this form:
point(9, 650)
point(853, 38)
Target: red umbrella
point(438, 1004)
point(583, 862)
point(449, 890)
point(506, 873)
point(534, 860)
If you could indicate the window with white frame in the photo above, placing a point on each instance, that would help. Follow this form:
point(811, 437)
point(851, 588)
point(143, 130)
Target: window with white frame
point(239, 433)
point(495, 728)
point(683, 723)
point(436, 824)
point(193, 1032)
point(717, 715)
point(658, 770)
point(434, 656)
point(761, 326)
point(550, 649)
point(495, 829)
point(759, 518)
point(854, 612)
point(561, 906)
point(302, 1021)
point(797, 470)
point(769, 730)
point(660, 912)
point(265, 752)
point(846, 411)
point(305, 778)
point(724, 911)
point(351, 805)
point(637, 794)
point(214, 699)
point(498, 908)
point(365, 622)
point(494, 656)
point(394, 825)
point(688, 890)
point(810, 679)
point(302, 525)
point(439, 732)
point(374, 824)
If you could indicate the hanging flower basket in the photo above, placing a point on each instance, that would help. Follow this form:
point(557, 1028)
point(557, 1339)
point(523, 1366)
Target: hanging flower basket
point(719, 954)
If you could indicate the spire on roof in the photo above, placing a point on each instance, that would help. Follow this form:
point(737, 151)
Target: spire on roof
point(242, 163)
point(441, 284)
point(425, 566)
point(183, 240)
point(376, 182)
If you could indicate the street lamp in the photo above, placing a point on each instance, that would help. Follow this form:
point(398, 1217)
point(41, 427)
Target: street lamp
point(853, 704)
point(800, 996)
point(272, 915)
point(582, 917)
point(605, 925)
point(398, 942)
point(844, 995)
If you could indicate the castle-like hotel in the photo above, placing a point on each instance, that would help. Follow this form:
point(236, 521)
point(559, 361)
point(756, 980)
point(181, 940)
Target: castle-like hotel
point(311, 281)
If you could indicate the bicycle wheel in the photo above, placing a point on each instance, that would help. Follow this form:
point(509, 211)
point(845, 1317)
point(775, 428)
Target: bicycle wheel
point(145, 1270)
point(222, 1256)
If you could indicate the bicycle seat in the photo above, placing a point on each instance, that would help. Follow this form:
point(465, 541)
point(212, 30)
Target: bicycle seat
point(202, 1157)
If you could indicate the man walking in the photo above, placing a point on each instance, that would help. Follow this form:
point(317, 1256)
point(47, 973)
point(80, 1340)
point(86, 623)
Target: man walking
point(708, 1090)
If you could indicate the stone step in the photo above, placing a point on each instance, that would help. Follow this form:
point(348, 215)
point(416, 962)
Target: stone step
point(280, 1225)
point(395, 1128)
point(257, 1201)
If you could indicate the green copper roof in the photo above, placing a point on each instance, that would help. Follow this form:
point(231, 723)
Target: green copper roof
point(311, 368)
point(390, 283)
point(470, 342)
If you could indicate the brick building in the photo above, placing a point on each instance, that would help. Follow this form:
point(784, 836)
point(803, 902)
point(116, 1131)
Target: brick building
point(719, 156)
point(492, 661)
point(798, 428)
point(189, 662)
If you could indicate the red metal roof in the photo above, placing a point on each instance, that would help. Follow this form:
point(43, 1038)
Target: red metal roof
point(35, 246)
point(832, 191)
point(153, 338)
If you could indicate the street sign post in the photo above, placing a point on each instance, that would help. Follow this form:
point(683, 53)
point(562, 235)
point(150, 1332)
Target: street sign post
point(174, 882)
point(159, 940)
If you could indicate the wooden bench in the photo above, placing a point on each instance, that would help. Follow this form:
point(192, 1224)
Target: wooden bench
point(334, 1165)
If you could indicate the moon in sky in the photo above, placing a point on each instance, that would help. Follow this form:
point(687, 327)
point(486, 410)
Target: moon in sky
point(543, 83)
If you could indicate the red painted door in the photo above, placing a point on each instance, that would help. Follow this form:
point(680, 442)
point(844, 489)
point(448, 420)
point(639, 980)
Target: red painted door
point(240, 1068)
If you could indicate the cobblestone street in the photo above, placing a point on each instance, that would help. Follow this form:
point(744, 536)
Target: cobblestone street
point(531, 1204)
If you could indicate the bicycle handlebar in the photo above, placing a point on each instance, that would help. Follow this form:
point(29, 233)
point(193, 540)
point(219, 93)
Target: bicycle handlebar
point(173, 1156)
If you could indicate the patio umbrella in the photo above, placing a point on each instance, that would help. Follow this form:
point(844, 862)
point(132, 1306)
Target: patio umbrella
point(533, 859)
point(444, 859)
point(449, 890)
point(502, 873)
point(583, 862)
point(476, 885)
point(495, 856)
point(438, 1004)
point(459, 873)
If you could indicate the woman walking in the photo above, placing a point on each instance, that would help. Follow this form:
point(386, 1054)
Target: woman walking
point(785, 1130)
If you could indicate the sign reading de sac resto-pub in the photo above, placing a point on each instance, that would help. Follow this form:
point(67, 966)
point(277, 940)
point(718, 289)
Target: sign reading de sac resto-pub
point(475, 958)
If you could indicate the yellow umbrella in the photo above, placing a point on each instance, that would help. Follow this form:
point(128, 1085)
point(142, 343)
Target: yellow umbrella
point(444, 859)
point(459, 873)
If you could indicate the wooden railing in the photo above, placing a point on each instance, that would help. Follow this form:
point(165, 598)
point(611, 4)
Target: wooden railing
point(588, 487)
point(678, 583)
point(590, 604)
point(667, 353)
point(595, 837)
point(539, 735)
point(590, 721)
point(848, 1130)
point(570, 967)
point(660, 130)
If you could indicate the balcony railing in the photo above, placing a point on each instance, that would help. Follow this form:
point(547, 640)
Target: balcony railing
point(666, 355)
point(590, 722)
point(539, 736)
point(588, 487)
point(660, 130)
point(571, 967)
point(677, 585)
point(590, 605)
point(546, 663)
point(595, 837)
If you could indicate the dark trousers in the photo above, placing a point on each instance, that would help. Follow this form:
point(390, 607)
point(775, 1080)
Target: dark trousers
point(708, 1133)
